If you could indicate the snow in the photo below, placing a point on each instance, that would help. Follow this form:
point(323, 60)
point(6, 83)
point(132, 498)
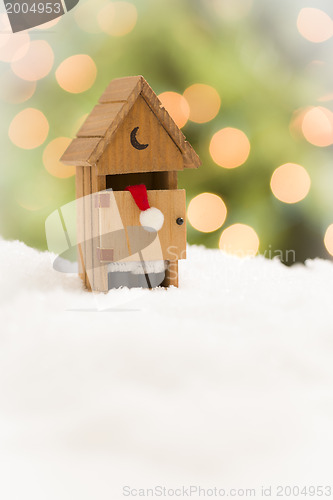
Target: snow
point(225, 382)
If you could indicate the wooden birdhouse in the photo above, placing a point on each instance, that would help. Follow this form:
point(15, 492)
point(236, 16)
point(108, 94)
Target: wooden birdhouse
point(127, 155)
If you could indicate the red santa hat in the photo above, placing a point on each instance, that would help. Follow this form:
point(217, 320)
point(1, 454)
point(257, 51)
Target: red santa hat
point(151, 218)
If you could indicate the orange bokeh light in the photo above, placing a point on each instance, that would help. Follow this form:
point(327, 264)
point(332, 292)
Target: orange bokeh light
point(11, 43)
point(36, 62)
point(77, 73)
point(28, 129)
point(15, 46)
point(117, 18)
point(328, 239)
point(314, 25)
point(85, 15)
point(14, 89)
point(290, 183)
point(229, 147)
point(317, 126)
point(207, 212)
point(51, 158)
point(239, 239)
point(177, 106)
point(204, 102)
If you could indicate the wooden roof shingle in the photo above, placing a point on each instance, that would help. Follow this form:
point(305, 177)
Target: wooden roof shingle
point(102, 123)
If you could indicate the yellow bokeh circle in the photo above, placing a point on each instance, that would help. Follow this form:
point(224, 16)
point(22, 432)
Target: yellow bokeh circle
point(317, 126)
point(204, 102)
point(229, 147)
point(177, 107)
point(239, 239)
point(117, 18)
point(290, 183)
point(28, 129)
point(77, 73)
point(206, 212)
point(51, 158)
point(314, 25)
point(36, 61)
point(328, 239)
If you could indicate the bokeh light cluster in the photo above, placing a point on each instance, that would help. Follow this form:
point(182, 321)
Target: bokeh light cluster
point(200, 103)
point(262, 124)
point(113, 18)
point(117, 18)
point(177, 107)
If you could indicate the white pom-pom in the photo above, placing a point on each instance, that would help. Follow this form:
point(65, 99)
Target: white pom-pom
point(152, 219)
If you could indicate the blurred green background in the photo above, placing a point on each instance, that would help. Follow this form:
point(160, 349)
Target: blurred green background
point(256, 54)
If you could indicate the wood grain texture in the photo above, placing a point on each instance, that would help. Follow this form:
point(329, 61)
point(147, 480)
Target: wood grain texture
point(172, 237)
point(80, 223)
point(113, 235)
point(79, 151)
point(116, 226)
point(112, 232)
point(88, 228)
point(103, 148)
point(166, 180)
point(100, 275)
point(119, 113)
point(100, 119)
point(171, 274)
point(114, 125)
point(115, 105)
point(122, 89)
point(191, 159)
point(121, 157)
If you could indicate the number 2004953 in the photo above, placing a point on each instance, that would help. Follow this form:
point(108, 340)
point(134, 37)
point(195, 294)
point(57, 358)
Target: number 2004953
point(311, 491)
point(35, 8)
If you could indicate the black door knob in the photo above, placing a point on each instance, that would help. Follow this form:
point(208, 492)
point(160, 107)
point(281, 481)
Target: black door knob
point(180, 221)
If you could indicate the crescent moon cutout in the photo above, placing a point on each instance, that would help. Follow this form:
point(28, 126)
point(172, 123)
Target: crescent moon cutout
point(135, 143)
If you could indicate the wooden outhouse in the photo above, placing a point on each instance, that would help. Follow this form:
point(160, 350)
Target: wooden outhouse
point(128, 139)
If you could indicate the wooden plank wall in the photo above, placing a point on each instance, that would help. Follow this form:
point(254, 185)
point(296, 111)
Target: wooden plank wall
point(171, 273)
point(79, 185)
point(94, 275)
point(100, 274)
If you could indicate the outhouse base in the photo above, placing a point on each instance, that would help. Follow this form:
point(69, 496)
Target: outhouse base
point(130, 280)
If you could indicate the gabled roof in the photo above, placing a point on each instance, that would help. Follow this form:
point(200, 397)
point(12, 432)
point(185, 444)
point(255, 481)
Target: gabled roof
point(104, 120)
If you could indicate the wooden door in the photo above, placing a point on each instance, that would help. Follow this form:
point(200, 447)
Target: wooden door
point(122, 238)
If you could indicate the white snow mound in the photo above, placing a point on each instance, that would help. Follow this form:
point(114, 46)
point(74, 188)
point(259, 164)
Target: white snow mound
point(225, 382)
